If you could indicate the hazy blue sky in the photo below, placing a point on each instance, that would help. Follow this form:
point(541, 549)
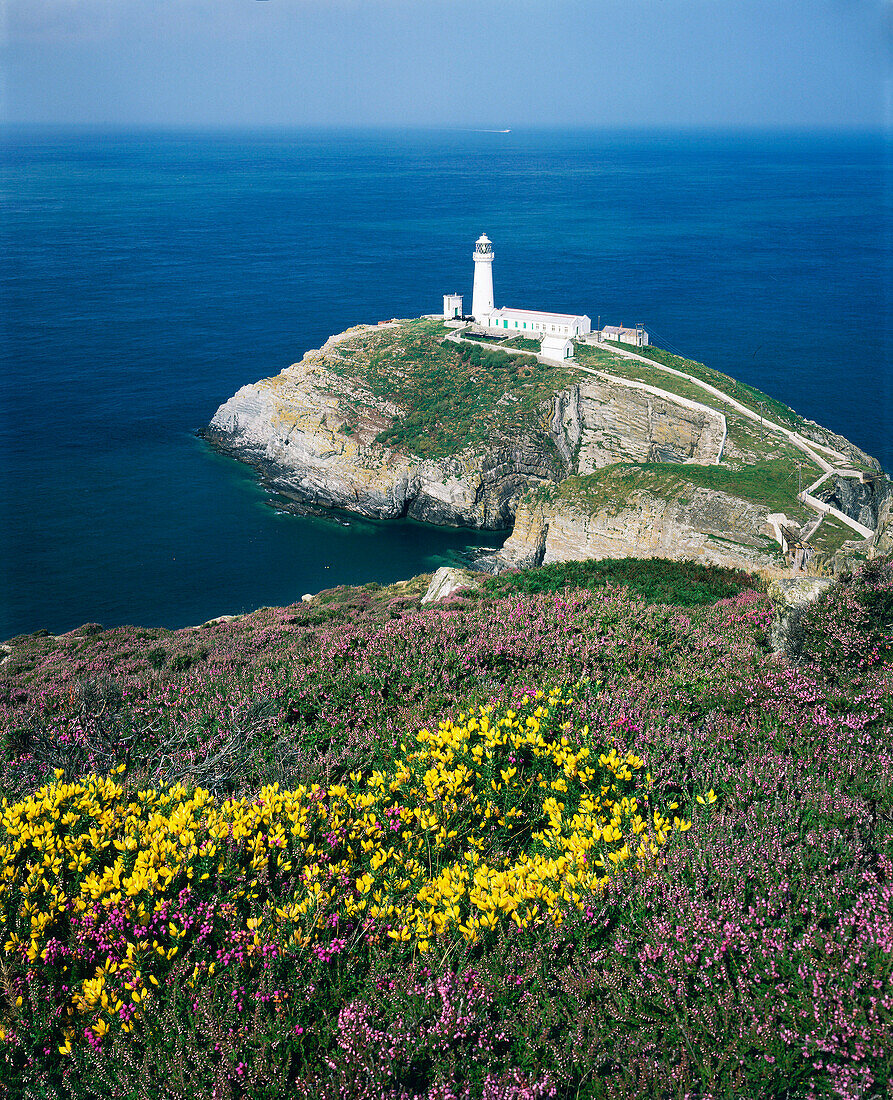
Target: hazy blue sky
point(499, 63)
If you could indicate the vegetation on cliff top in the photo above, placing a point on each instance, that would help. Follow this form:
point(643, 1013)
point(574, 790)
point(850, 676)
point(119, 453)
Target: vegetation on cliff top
point(769, 484)
point(759, 402)
point(451, 396)
point(658, 580)
point(563, 843)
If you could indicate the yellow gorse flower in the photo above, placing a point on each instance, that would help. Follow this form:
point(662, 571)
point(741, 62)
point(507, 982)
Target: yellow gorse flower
point(498, 815)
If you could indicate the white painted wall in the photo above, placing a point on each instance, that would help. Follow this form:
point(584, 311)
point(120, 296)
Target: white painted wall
point(531, 323)
point(452, 306)
point(482, 295)
point(557, 347)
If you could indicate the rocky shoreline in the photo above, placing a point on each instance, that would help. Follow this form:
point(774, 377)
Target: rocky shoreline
point(312, 434)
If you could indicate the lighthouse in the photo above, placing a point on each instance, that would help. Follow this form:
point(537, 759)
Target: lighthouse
point(482, 297)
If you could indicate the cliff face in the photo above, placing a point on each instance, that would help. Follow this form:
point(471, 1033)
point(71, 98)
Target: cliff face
point(396, 421)
point(865, 503)
point(599, 423)
point(311, 431)
point(710, 527)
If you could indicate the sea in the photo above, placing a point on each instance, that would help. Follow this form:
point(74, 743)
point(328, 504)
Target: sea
point(148, 275)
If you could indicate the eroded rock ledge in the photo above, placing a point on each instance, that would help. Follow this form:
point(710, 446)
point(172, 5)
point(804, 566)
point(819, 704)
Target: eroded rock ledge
point(710, 527)
point(318, 434)
point(311, 432)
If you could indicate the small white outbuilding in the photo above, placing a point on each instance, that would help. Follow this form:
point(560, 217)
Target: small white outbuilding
point(452, 306)
point(557, 347)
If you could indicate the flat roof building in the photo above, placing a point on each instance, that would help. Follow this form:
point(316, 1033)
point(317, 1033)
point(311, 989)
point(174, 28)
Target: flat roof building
point(452, 306)
point(536, 323)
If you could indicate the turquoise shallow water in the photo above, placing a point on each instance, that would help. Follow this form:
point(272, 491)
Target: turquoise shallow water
point(150, 275)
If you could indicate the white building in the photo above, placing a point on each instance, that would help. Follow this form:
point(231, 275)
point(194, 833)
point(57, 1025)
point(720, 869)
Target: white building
point(452, 306)
point(557, 347)
point(517, 321)
point(536, 324)
point(623, 335)
point(482, 296)
point(556, 330)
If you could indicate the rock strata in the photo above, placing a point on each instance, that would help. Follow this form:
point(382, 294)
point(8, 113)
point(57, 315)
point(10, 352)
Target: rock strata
point(311, 432)
point(863, 503)
point(710, 527)
point(447, 581)
point(881, 545)
point(598, 423)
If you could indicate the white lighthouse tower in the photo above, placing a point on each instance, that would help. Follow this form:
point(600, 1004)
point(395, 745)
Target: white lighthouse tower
point(482, 296)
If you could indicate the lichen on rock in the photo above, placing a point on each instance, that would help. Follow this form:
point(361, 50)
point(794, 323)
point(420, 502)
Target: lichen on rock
point(401, 421)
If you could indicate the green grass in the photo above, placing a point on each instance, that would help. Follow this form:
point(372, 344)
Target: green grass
point(749, 396)
point(767, 484)
point(602, 357)
point(523, 343)
point(757, 444)
point(450, 396)
point(683, 583)
point(740, 391)
point(607, 361)
point(831, 535)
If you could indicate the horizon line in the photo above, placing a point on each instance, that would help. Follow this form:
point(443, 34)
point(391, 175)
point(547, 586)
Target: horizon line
point(276, 127)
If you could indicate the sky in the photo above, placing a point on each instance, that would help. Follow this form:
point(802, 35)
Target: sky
point(449, 63)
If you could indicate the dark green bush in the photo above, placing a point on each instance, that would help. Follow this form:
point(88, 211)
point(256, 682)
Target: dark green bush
point(850, 628)
point(685, 583)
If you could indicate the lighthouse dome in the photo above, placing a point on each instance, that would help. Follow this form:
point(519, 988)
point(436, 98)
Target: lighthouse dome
point(483, 244)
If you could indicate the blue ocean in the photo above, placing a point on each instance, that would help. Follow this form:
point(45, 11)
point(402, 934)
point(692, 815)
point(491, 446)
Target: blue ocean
point(147, 276)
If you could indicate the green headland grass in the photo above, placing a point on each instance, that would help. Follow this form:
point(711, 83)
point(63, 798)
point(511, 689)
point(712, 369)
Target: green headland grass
point(450, 396)
point(768, 484)
point(657, 580)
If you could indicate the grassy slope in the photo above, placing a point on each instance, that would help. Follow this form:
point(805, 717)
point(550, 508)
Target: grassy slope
point(767, 484)
point(740, 391)
point(667, 984)
point(447, 402)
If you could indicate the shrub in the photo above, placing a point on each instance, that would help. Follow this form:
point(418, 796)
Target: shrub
point(749, 956)
point(685, 583)
point(850, 628)
point(500, 816)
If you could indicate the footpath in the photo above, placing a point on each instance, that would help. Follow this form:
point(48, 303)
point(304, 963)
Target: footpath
point(808, 447)
point(831, 462)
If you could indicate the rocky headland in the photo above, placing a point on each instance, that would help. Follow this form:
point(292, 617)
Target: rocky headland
point(603, 456)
